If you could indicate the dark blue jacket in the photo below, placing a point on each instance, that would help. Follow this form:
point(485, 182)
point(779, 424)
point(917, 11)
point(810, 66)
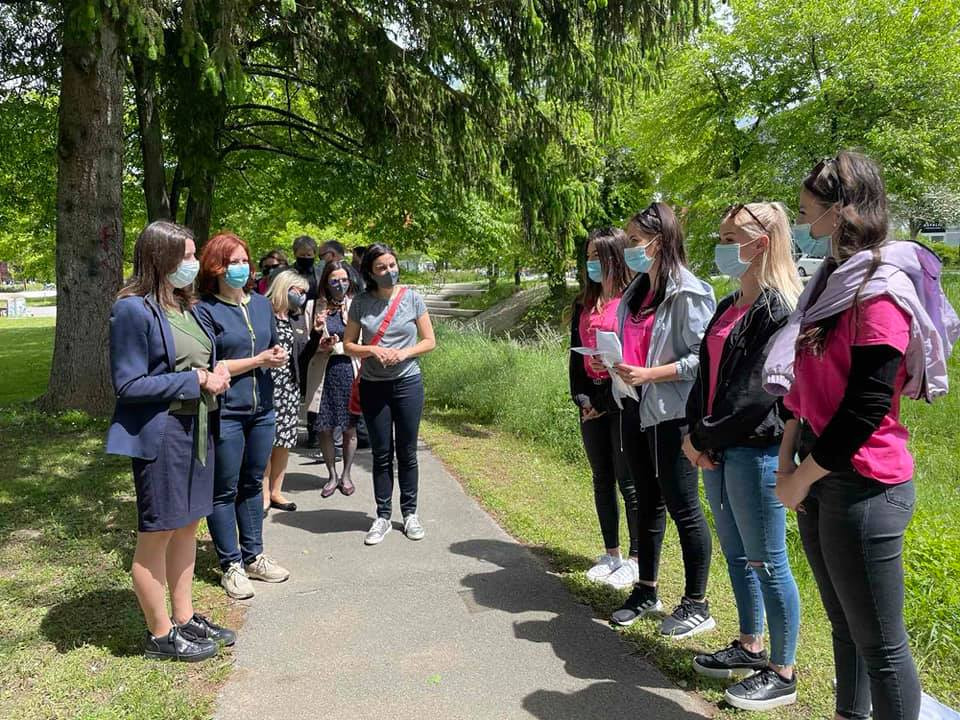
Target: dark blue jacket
point(142, 361)
point(234, 339)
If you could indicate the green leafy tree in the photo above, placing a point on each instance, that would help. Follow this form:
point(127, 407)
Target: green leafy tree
point(767, 89)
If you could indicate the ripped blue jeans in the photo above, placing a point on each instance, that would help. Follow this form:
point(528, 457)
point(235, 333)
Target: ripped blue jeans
point(751, 526)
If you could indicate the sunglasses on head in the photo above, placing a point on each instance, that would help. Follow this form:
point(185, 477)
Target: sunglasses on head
point(734, 210)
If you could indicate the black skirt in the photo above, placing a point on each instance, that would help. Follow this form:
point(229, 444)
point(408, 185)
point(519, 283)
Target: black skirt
point(175, 489)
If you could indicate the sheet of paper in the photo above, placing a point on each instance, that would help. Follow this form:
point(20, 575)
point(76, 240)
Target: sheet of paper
point(589, 352)
point(611, 353)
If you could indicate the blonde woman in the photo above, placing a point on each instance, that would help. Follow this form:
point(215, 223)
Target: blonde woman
point(288, 297)
point(735, 433)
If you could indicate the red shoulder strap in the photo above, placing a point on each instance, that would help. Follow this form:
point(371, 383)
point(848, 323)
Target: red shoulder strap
point(391, 311)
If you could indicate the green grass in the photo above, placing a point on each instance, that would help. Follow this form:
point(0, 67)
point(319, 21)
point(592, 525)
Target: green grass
point(70, 626)
point(42, 301)
point(511, 435)
point(26, 349)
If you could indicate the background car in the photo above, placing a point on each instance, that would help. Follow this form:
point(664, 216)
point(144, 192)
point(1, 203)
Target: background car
point(807, 265)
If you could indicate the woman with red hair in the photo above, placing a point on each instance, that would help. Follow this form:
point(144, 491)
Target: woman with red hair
point(244, 330)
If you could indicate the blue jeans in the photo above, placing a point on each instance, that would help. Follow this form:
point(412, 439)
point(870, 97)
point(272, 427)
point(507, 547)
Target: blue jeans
point(242, 450)
point(392, 410)
point(751, 525)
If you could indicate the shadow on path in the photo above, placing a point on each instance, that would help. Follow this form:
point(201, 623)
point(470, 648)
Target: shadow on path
point(625, 688)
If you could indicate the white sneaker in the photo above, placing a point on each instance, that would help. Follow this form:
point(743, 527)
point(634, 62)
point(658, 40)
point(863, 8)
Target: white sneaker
point(624, 576)
point(378, 531)
point(412, 527)
point(606, 564)
point(236, 582)
point(267, 570)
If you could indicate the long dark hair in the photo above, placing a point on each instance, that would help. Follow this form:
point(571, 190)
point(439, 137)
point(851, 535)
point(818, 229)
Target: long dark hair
point(609, 242)
point(366, 265)
point(328, 270)
point(157, 253)
point(659, 219)
point(856, 182)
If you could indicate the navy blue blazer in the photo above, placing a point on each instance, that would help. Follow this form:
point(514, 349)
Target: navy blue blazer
point(142, 361)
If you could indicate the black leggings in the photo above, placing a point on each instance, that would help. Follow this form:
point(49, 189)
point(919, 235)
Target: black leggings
point(392, 410)
point(862, 590)
point(603, 443)
point(666, 482)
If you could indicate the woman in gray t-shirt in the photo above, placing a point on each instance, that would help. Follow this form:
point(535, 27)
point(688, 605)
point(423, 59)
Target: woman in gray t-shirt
point(391, 390)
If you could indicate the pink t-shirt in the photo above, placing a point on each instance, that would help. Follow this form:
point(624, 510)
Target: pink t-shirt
point(637, 334)
point(820, 383)
point(716, 339)
point(590, 322)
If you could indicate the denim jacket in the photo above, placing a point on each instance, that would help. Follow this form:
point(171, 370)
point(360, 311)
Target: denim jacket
point(679, 324)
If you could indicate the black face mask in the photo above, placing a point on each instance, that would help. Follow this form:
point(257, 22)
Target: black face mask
point(305, 265)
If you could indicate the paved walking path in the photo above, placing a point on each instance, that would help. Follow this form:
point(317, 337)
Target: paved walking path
point(466, 624)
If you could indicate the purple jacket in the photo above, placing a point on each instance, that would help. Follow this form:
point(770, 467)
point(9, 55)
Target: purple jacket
point(910, 274)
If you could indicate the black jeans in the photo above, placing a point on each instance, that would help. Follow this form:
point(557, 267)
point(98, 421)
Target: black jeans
point(666, 482)
point(603, 443)
point(392, 410)
point(852, 530)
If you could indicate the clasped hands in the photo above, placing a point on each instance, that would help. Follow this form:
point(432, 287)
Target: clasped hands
point(388, 356)
point(216, 381)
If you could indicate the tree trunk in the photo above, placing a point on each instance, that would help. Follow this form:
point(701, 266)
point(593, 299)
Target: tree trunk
point(151, 140)
point(89, 216)
point(200, 208)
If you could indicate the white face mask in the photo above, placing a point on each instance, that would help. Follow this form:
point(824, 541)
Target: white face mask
point(185, 273)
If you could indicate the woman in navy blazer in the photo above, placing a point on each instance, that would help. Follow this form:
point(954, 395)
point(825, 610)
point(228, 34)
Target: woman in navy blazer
point(162, 364)
point(244, 330)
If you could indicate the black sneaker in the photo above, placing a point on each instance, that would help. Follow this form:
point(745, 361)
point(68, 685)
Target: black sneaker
point(733, 661)
point(642, 600)
point(201, 628)
point(177, 646)
point(691, 617)
point(764, 691)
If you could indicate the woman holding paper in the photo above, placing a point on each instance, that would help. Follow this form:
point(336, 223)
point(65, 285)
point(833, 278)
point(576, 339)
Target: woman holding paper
point(662, 318)
point(595, 310)
point(735, 432)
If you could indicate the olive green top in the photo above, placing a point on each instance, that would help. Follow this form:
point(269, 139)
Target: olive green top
point(193, 350)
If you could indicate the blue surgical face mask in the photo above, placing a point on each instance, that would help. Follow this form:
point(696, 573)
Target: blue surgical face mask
point(237, 275)
point(594, 271)
point(637, 259)
point(185, 273)
point(809, 245)
point(728, 259)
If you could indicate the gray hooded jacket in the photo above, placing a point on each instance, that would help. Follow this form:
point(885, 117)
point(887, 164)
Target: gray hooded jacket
point(678, 327)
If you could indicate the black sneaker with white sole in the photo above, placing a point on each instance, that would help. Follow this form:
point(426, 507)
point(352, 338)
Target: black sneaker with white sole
point(764, 691)
point(642, 600)
point(691, 617)
point(732, 661)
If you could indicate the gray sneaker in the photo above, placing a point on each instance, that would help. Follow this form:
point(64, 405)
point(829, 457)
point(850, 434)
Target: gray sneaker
point(236, 582)
point(267, 570)
point(378, 531)
point(412, 527)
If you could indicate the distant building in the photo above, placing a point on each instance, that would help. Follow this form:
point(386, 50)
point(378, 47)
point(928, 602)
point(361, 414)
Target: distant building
point(5, 276)
point(947, 234)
